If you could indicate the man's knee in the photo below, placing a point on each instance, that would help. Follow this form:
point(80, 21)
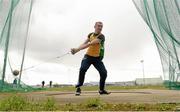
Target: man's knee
point(83, 70)
point(103, 74)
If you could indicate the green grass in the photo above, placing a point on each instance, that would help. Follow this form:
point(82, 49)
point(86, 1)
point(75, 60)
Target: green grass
point(19, 103)
point(95, 104)
point(95, 88)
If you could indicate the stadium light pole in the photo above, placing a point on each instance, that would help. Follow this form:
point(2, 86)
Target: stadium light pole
point(142, 62)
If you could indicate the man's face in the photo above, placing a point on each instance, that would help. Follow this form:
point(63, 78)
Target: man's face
point(98, 27)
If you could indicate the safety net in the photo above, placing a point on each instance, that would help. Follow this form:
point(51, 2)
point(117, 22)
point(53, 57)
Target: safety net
point(163, 19)
point(14, 25)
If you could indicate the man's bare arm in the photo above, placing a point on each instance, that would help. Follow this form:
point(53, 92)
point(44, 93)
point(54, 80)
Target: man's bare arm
point(85, 42)
point(85, 45)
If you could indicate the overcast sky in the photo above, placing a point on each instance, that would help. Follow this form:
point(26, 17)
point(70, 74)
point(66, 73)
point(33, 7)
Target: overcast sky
point(58, 25)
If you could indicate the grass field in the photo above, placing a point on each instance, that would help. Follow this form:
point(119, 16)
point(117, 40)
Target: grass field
point(51, 99)
point(17, 103)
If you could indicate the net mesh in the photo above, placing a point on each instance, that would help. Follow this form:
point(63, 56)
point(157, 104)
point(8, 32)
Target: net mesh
point(163, 19)
point(14, 24)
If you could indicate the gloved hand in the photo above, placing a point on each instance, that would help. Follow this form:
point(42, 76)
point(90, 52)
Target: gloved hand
point(74, 50)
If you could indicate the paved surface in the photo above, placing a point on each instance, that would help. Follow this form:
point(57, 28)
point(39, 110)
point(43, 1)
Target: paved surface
point(122, 96)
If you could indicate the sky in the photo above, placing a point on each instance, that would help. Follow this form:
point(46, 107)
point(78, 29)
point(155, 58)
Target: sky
point(56, 26)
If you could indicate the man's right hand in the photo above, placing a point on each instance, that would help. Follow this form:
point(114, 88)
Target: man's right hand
point(74, 50)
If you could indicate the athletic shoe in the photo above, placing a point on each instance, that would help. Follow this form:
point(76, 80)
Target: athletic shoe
point(78, 91)
point(104, 92)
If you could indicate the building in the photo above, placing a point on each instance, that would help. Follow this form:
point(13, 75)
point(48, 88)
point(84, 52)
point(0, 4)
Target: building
point(149, 81)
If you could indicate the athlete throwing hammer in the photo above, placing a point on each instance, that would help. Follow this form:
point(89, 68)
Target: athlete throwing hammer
point(94, 55)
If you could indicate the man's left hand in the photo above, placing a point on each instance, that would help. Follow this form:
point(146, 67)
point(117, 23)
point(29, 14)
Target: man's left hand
point(74, 50)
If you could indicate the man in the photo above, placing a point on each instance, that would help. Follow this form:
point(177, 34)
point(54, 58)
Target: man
point(43, 83)
point(50, 84)
point(94, 55)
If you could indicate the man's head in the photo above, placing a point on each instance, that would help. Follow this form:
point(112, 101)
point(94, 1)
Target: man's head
point(98, 27)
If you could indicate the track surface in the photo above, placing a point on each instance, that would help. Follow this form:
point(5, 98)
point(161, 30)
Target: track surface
point(122, 96)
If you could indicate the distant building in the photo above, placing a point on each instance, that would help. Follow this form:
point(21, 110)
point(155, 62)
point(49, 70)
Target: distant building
point(149, 81)
point(88, 84)
point(62, 85)
point(127, 83)
point(93, 83)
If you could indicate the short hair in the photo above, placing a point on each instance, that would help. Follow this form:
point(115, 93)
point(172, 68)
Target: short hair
point(99, 22)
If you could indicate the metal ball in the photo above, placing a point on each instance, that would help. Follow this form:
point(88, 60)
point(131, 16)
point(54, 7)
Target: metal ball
point(16, 72)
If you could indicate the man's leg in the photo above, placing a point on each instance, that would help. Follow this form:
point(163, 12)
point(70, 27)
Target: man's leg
point(85, 64)
point(99, 65)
